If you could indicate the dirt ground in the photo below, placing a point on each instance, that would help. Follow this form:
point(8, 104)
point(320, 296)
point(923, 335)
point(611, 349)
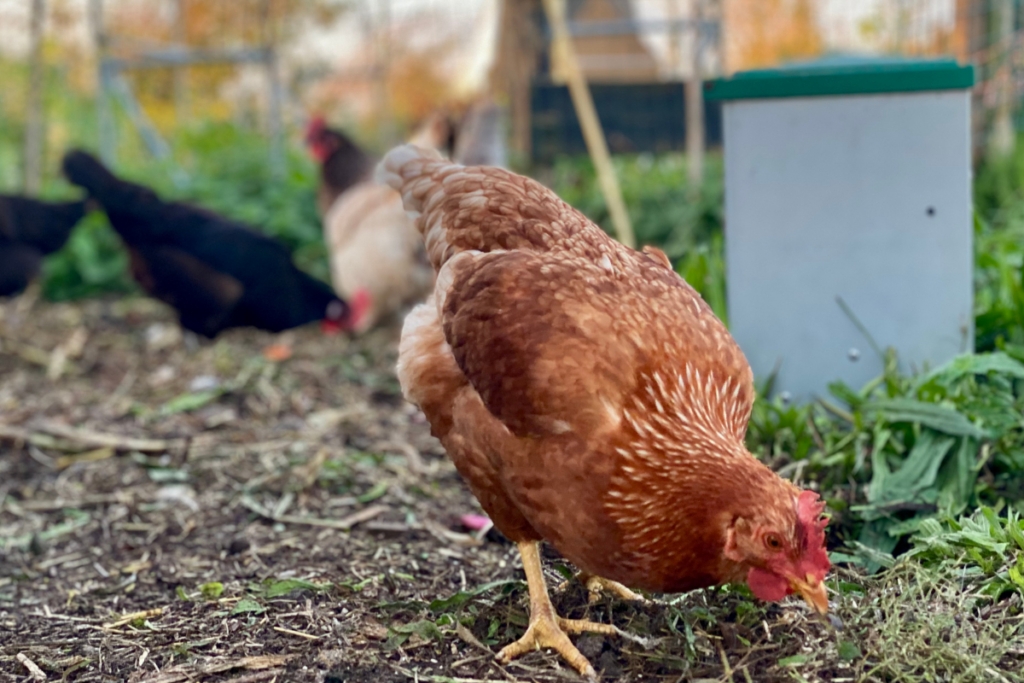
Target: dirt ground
point(179, 511)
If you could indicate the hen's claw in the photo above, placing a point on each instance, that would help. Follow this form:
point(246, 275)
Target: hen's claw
point(550, 631)
point(547, 629)
point(596, 584)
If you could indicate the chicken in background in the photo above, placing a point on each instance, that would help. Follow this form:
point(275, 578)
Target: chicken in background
point(590, 398)
point(215, 272)
point(29, 230)
point(343, 163)
point(373, 245)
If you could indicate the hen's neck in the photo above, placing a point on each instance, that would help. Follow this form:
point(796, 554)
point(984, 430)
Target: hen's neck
point(683, 475)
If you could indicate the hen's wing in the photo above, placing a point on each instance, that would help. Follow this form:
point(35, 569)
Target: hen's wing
point(554, 324)
point(204, 298)
point(539, 337)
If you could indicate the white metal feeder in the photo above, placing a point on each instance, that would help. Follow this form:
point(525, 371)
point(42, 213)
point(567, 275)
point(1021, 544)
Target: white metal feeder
point(848, 198)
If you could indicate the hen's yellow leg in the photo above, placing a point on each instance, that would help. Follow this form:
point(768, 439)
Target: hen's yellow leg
point(596, 584)
point(547, 629)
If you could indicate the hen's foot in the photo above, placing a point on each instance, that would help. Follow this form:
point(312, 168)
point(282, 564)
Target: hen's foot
point(547, 629)
point(596, 584)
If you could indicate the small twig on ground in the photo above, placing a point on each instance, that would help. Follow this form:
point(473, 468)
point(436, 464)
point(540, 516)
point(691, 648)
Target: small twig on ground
point(344, 523)
point(99, 439)
point(33, 668)
point(71, 348)
point(300, 634)
point(26, 352)
point(416, 675)
point(727, 676)
point(128, 618)
point(412, 456)
point(102, 453)
point(75, 439)
point(467, 637)
point(188, 672)
point(646, 643)
point(307, 473)
point(256, 677)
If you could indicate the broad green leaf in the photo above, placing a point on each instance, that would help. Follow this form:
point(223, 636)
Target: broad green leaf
point(212, 590)
point(462, 597)
point(941, 418)
point(919, 470)
point(276, 589)
point(247, 605)
point(424, 628)
point(793, 661)
point(1015, 531)
point(973, 364)
point(874, 546)
point(192, 401)
point(848, 651)
point(956, 478)
point(1016, 577)
point(845, 394)
point(378, 490)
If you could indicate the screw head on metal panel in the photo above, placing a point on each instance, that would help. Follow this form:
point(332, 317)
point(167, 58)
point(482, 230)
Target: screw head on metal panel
point(853, 354)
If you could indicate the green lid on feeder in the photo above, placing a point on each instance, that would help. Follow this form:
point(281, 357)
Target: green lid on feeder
point(843, 75)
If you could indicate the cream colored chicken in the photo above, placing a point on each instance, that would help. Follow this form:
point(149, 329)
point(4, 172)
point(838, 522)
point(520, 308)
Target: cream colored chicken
point(373, 245)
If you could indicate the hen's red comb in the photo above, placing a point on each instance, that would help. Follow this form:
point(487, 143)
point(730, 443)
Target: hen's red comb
point(315, 126)
point(811, 529)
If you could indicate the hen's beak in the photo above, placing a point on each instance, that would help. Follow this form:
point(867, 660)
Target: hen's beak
point(813, 591)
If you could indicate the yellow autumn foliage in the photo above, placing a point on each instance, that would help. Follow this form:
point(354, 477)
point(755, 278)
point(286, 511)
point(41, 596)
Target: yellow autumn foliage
point(764, 33)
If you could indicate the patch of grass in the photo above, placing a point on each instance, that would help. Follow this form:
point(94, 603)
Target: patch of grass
point(930, 619)
point(903, 449)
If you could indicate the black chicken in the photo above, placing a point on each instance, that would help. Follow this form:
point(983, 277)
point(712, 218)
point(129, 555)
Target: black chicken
point(217, 273)
point(29, 230)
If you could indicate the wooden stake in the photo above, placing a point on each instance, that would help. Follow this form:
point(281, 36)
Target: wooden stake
point(695, 106)
point(34, 125)
point(1002, 137)
point(593, 135)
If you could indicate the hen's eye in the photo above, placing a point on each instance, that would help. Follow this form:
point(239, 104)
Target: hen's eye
point(772, 542)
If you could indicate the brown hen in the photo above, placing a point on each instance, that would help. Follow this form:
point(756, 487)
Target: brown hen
point(590, 398)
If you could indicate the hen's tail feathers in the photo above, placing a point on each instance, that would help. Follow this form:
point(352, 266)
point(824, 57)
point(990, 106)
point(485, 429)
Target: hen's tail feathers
point(86, 171)
point(111, 192)
point(482, 208)
point(418, 175)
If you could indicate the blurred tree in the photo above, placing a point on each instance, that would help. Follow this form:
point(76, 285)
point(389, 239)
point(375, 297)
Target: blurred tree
point(520, 45)
point(416, 83)
point(763, 33)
